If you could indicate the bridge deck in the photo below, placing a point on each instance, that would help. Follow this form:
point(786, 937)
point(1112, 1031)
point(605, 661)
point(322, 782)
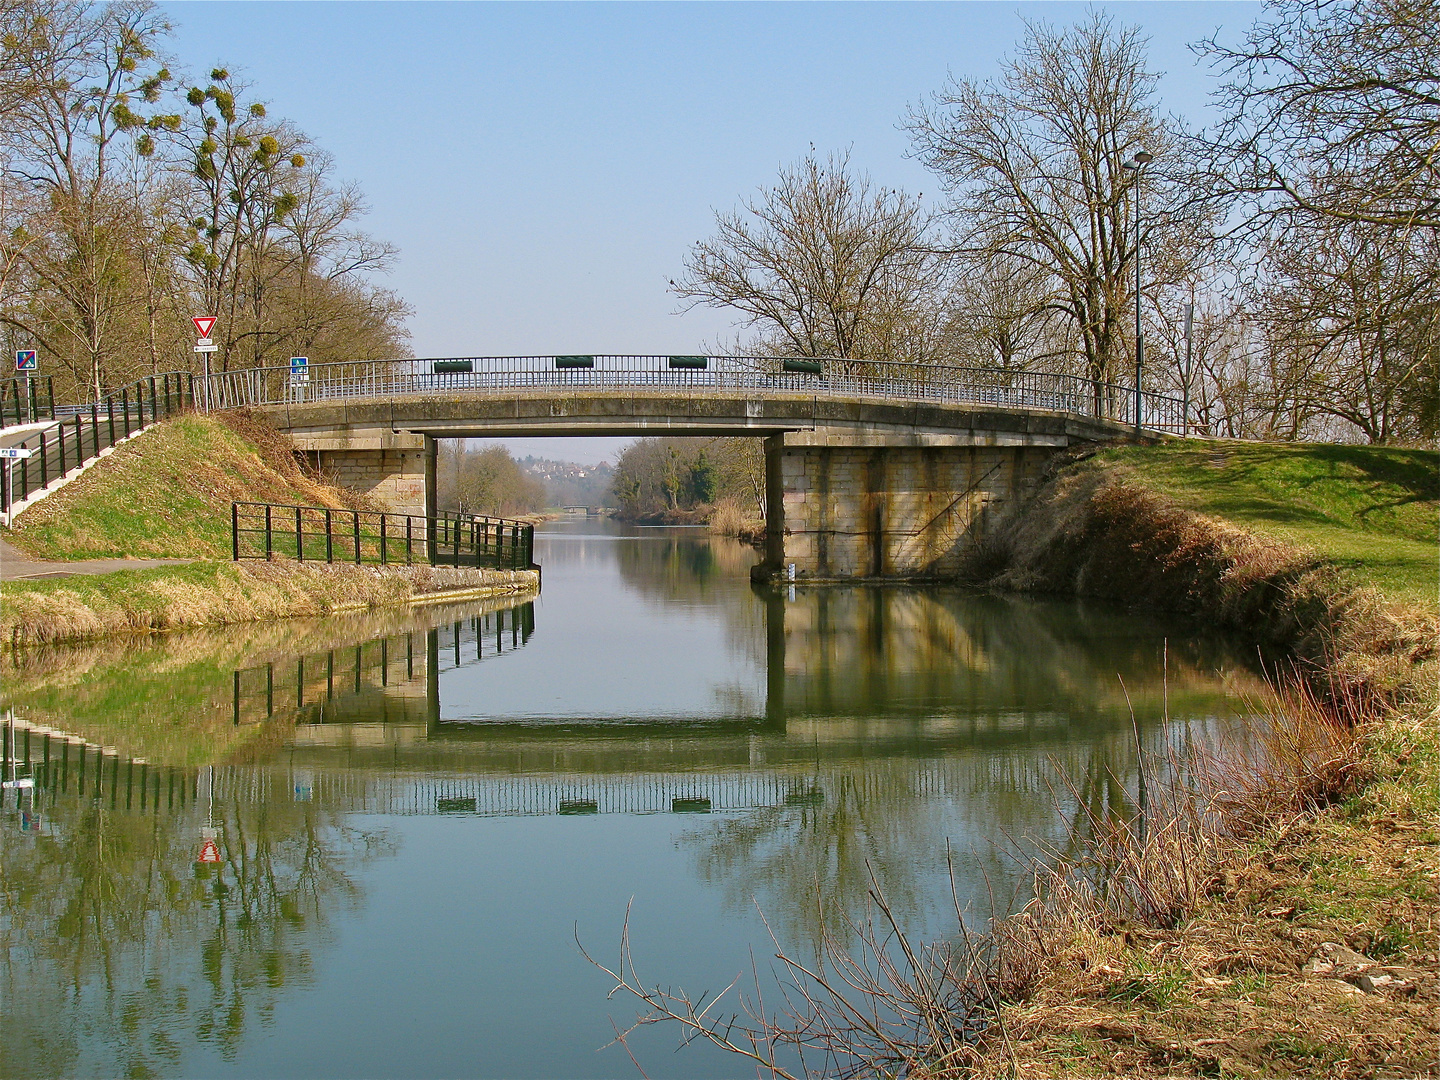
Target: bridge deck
point(726, 393)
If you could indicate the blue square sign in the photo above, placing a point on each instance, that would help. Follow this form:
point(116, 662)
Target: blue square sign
point(26, 360)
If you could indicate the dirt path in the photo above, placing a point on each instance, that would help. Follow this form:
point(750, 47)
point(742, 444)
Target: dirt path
point(15, 565)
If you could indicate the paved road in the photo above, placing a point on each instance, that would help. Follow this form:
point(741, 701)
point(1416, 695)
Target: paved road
point(15, 434)
point(17, 566)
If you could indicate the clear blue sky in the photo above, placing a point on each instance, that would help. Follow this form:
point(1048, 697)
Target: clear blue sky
point(543, 167)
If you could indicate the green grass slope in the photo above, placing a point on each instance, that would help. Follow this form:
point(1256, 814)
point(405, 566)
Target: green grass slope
point(167, 493)
point(1371, 510)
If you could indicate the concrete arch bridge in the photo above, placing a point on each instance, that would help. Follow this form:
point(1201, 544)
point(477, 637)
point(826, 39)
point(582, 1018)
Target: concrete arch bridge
point(873, 469)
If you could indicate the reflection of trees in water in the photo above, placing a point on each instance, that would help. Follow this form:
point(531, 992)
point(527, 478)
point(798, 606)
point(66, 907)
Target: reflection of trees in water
point(811, 865)
point(119, 944)
point(688, 565)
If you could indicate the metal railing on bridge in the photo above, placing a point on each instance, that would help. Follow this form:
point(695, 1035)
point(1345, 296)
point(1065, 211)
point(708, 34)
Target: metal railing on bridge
point(327, 534)
point(25, 400)
point(887, 380)
point(80, 433)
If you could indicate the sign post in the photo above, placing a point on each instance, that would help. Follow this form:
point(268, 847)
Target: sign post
point(1189, 362)
point(299, 375)
point(204, 324)
point(27, 362)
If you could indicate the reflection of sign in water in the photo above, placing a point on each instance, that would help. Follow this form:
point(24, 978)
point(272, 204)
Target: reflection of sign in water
point(304, 785)
point(209, 852)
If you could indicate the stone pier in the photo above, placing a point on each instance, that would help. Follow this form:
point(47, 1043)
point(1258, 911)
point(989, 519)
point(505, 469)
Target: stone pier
point(846, 507)
point(395, 468)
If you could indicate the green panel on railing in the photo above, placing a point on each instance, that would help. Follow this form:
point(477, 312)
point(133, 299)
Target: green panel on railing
point(809, 367)
point(689, 361)
point(446, 367)
point(574, 361)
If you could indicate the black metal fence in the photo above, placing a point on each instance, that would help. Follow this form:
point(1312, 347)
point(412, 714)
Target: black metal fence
point(25, 400)
point(76, 438)
point(326, 534)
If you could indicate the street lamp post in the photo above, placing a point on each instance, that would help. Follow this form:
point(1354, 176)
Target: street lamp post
point(1137, 166)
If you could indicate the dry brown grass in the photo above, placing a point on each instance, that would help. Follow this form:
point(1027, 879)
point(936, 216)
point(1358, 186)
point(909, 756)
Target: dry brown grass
point(729, 518)
point(208, 594)
point(277, 451)
point(1302, 854)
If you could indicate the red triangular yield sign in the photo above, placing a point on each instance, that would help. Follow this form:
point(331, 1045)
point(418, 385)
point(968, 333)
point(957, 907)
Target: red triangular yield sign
point(204, 323)
point(209, 850)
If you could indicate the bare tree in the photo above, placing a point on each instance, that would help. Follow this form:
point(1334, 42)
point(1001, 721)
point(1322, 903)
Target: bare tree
point(1000, 312)
point(825, 263)
point(1356, 307)
point(486, 480)
point(76, 73)
point(1033, 165)
point(1332, 107)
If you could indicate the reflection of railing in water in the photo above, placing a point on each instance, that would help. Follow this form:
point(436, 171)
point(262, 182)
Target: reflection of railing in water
point(58, 764)
point(313, 683)
point(658, 792)
point(135, 786)
point(488, 634)
point(65, 767)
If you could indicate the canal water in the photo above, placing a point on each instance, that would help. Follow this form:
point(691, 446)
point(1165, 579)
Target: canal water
point(368, 845)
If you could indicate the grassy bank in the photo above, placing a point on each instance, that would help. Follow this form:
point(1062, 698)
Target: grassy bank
point(167, 493)
point(1367, 510)
point(1330, 565)
point(1279, 917)
point(214, 594)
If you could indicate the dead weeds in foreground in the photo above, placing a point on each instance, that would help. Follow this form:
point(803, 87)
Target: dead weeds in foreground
point(1197, 949)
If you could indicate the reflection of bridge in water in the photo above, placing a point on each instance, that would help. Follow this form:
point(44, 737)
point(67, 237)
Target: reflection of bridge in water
point(90, 774)
point(922, 693)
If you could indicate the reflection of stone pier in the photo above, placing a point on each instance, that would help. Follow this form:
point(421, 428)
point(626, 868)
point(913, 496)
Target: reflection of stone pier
point(942, 654)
